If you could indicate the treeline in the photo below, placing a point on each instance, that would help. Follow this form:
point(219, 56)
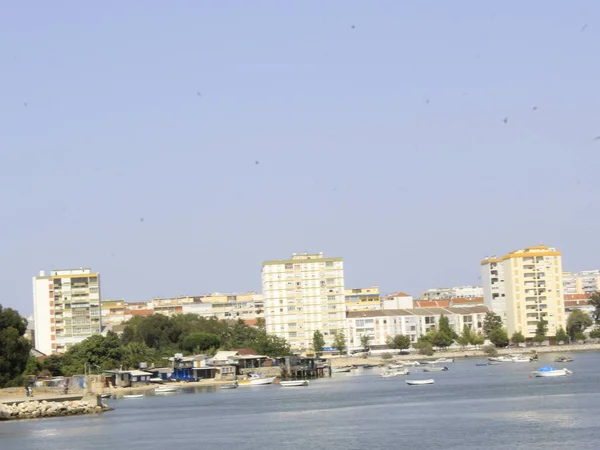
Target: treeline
point(152, 339)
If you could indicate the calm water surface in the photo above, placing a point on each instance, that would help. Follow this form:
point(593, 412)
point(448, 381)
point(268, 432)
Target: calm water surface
point(467, 407)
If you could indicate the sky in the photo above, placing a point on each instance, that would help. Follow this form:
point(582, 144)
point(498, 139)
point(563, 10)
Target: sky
point(174, 147)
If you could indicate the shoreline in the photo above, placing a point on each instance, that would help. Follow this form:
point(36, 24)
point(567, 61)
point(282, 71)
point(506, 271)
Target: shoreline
point(461, 354)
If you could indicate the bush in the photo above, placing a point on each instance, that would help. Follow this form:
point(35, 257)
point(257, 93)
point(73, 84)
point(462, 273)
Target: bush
point(386, 356)
point(425, 348)
point(595, 334)
point(490, 350)
point(580, 336)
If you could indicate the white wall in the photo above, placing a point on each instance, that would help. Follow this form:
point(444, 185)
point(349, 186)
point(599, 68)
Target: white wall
point(41, 313)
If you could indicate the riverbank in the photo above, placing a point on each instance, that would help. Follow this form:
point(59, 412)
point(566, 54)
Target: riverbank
point(463, 353)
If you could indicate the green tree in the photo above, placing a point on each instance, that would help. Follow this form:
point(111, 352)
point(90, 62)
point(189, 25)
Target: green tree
point(466, 337)
point(364, 340)
point(14, 347)
point(478, 338)
point(499, 337)
point(260, 322)
point(540, 331)
point(444, 327)
point(339, 340)
point(318, 343)
point(53, 365)
point(517, 338)
point(561, 335)
point(577, 322)
point(97, 352)
point(399, 342)
point(595, 302)
point(491, 322)
point(34, 366)
point(198, 342)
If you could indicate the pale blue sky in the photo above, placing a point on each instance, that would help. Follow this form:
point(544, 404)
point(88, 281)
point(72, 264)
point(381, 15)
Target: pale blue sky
point(101, 125)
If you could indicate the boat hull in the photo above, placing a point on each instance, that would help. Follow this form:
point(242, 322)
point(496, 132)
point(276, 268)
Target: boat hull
point(293, 383)
point(419, 382)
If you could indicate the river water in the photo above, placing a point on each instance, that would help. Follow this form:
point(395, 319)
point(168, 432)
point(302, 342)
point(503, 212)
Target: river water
point(467, 407)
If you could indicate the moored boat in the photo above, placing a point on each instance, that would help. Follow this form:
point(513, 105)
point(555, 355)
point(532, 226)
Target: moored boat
point(435, 369)
point(395, 373)
point(257, 381)
point(549, 371)
point(133, 396)
point(419, 382)
point(341, 369)
point(563, 359)
point(233, 385)
point(293, 383)
point(164, 389)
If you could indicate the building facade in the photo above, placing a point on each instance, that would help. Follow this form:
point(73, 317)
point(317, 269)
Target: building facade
point(414, 323)
point(492, 276)
point(533, 288)
point(397, 300)
point(302, 295)
point(66, 306)
point(452, 292)
point(585, 282)
point(363, 299)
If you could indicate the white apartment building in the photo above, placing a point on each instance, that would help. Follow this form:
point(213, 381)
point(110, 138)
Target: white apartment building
point(452, 292)
point(492, 277)
point(397, 300)
point(66, 308)
point(533, 288)
point(302, 295)
point(384, 324)
point(585, 282)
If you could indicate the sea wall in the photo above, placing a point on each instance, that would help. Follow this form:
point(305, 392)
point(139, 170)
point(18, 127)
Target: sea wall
point(35, 409)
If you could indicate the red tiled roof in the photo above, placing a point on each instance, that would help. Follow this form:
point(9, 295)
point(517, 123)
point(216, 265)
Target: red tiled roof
point(250, 322)
point(576, 297)
point(431, 303)
point(398, 294)
point(244, 351)
point(571, 303)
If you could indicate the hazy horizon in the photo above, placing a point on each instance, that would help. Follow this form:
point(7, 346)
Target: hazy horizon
point(174, 148)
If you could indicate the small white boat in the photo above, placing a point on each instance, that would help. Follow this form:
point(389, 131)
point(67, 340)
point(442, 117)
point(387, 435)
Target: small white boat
point(521, 359)
point(233, 385)
point(435, 369)
point(411, 363)
point(551, 372)
point(501, 359)
point(419, 382)
point(163, 389)
point(133, 396)
point(444, 360)
point(395, 373)
point(293, 383)
point(107, 395)
point(395, 366)
point(257, 381)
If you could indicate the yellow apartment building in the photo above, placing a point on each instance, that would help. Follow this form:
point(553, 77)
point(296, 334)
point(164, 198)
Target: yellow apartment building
point(363, 299)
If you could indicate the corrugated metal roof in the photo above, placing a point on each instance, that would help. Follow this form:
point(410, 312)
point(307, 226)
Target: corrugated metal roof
point(418, 312)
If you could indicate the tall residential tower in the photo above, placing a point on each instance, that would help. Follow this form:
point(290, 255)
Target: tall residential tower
point(533, 289)
point(66, 308)
point(302, 295)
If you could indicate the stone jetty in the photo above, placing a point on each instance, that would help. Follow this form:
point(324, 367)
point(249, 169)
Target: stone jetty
point(36, 409)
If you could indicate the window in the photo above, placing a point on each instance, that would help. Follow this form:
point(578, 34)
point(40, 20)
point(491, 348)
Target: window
point(330, 298)
point(289, 266)
point(329, 264)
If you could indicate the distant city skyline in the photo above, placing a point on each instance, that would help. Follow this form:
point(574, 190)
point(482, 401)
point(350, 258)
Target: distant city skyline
point(411, 141)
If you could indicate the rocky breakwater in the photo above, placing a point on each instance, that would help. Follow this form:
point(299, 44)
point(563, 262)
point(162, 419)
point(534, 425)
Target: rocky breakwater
point(35, 409)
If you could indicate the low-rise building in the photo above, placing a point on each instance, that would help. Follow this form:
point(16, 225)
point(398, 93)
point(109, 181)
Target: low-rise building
point(585, 282)
point(113, 312)
point(414, 323)
point(362, 299)
point(397, 300)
